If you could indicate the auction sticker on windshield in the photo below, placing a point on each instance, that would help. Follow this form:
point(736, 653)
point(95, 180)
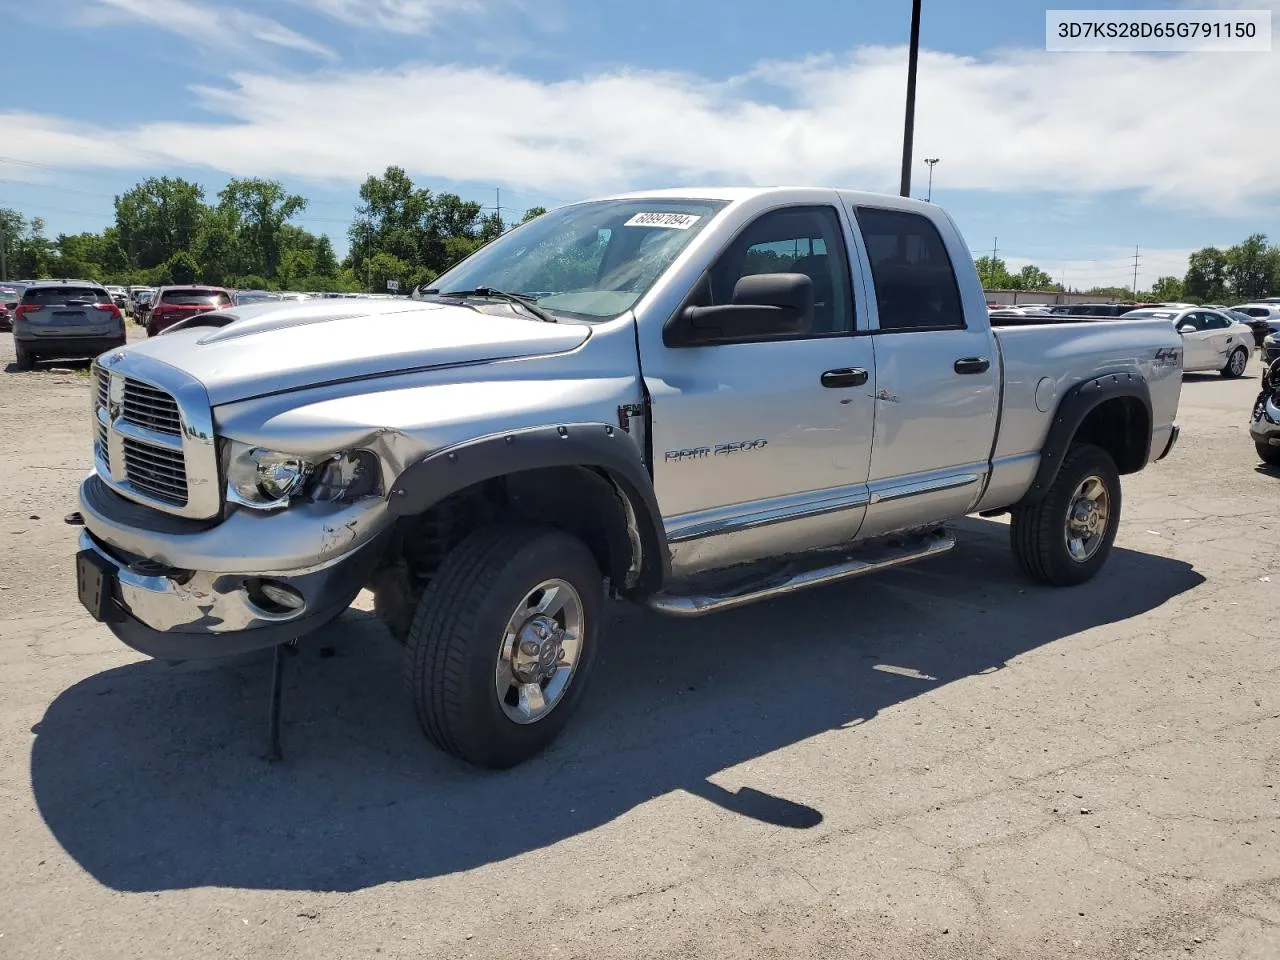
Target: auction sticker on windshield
point(672, 221)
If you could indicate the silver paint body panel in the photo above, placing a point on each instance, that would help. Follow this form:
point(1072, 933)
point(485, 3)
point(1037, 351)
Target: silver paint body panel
point(915, 445)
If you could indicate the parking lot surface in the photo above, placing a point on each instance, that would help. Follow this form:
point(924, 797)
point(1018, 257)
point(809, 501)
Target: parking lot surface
point(941, 761)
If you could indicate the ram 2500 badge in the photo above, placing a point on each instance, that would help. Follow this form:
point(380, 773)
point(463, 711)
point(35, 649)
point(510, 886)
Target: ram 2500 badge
point(690, 399)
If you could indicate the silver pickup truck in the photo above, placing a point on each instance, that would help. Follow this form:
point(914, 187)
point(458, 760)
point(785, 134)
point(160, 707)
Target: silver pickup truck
point(690, 399)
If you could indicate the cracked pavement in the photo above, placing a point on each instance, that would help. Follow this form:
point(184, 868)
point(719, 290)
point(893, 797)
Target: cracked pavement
point(941, 761)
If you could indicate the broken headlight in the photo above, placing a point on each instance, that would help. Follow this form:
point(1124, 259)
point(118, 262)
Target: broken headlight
point(265, 479)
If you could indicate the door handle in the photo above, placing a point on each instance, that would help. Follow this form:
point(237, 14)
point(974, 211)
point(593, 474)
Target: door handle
point(973, 365)
point(845, 377)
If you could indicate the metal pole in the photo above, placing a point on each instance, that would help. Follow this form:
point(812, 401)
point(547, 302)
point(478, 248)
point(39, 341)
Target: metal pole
point(909, 126)
point(930, 161)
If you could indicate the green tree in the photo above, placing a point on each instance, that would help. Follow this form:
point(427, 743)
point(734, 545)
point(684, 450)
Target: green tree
point(994, 274)
point(1167, 290)
point(157, 218)
point(1252, 268)
point(217, 246)
point(1032, 277)
point(326, 264)
point(263, 209)
point(384, 266)
point(1206, 278)
point(532, 212)
point(182, 268)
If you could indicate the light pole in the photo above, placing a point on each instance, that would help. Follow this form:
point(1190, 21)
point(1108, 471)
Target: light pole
point(908, 129)
point(930, 161)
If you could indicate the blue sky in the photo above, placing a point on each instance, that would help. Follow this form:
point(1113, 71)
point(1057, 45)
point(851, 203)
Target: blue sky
point(1070, 160)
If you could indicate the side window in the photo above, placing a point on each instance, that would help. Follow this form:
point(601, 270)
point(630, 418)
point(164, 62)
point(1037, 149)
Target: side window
point(1215, 321)
point(914, 278)
point(794, 240)
point(1195, 319)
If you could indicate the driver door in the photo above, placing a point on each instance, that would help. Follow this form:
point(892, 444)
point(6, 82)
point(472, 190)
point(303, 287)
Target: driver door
point(1198, 349)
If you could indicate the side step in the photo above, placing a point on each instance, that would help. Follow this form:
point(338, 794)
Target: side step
point(892, 553)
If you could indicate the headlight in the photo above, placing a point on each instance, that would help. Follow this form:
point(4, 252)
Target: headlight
point(264, 479)
point(268, 479)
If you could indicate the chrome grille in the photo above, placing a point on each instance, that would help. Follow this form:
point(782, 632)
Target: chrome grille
point(150, 407)
point(104, 387)
point(101, 445)
point(157, 471)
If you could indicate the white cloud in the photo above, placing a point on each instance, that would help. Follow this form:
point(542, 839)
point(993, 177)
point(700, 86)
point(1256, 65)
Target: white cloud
point(218, 28)
point(400, 16)
point(1187, 130)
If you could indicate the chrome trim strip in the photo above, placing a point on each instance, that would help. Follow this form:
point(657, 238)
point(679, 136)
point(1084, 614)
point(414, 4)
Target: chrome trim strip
point(917, 487)
point(700, 605)
point(143, 435)
point(762, 513)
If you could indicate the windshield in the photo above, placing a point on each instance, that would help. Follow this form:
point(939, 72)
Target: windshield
point(587, 260)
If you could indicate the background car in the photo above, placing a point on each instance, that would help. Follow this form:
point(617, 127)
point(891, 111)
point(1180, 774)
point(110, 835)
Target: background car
point(10, 294)
point(1271, 348)
point(119, 295)
point(243, 297)
point(1264, 312)
point(1211, 340)
point(172, 304)
point(65, 318)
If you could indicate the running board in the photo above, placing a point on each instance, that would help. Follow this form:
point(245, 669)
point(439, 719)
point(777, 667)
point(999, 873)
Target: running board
point(892, 554)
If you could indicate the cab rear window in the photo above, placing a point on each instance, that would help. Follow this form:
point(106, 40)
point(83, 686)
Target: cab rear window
point(62, 296)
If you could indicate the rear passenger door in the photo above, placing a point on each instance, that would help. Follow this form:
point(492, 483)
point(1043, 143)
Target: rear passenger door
point(937, 379)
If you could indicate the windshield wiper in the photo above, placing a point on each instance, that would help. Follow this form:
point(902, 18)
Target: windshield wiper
point(526, 300)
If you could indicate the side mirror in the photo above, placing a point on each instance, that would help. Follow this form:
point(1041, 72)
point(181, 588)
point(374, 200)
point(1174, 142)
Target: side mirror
point(1187, 328)
point(764, 306)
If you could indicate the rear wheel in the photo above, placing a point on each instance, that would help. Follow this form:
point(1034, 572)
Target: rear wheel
point(24, 359)
point(1268, 454)
point(1065, 537)
point(1236, 363)
point(503, 643)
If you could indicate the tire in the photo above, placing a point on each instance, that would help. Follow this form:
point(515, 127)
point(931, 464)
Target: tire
point(1268, 454)
point(452, 652)
point(23, 360)
point(1039, 532)
point(1236, 363)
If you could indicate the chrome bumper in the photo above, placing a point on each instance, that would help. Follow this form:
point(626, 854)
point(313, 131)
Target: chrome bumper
point(183, 590)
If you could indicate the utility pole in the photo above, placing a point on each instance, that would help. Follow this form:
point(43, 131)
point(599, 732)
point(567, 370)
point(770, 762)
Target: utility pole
point(497, 192)
point(4, 250)
point(930, 161)
point(1135, 271)
point(909, 126)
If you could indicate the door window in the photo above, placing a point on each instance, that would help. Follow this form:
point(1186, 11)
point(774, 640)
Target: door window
point(914, 279)
point(794, 240)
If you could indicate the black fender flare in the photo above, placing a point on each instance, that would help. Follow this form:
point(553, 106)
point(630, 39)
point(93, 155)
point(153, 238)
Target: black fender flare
point(600, 446)
point(1076, 404)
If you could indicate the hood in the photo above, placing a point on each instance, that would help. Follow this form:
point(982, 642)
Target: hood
point(268, 348)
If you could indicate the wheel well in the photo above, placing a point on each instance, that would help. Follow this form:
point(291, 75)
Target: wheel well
point(583, 501)
point(1122, 427)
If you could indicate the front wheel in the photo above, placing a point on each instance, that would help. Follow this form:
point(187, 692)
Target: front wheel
point(1065, 537)
point(503, 642)
point(1236, 363)
point(1268, 454)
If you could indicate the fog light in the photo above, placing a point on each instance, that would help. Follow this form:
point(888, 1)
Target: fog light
point(274, 597)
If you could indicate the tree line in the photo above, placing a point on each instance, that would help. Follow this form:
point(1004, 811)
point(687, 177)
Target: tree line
point(1247, 271)
point(166, 232)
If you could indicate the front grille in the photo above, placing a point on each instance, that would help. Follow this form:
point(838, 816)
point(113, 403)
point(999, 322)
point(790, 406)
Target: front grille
point(150, 407)
point(156, 471)
point(104, 387)
point(101, 445)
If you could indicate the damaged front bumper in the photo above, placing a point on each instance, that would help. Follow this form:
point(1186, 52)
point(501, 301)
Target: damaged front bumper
point(182, 590)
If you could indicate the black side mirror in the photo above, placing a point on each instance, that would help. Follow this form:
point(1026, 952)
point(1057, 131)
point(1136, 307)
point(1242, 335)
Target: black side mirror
point(765, 306)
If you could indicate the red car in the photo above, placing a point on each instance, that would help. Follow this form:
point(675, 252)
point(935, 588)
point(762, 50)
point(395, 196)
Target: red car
point(171, 304)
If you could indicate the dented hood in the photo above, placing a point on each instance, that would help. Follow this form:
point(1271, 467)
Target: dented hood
point(268, 348)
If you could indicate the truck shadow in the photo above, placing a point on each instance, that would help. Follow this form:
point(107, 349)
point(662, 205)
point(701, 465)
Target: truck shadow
point(149, 775)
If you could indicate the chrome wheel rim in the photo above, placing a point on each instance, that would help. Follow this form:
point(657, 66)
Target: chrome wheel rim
point(1238, 360)
point(1087, 517)
point(540, 650)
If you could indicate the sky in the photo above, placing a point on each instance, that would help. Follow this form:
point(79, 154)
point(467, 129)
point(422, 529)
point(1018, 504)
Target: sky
point(1067, 160)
